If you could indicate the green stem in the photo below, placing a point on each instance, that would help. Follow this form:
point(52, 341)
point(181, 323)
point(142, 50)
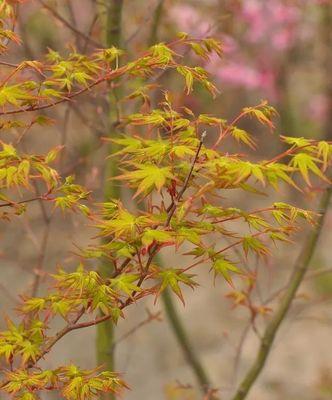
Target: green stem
point(184, 341)
point(113, 22)
point(105, 330)
point(299, 270)
point(156, 23)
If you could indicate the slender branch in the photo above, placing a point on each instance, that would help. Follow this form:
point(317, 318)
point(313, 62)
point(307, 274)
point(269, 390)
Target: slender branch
point(172, 207)
point(7, 64)
point(300, 268)
point(41, 258)
point(43, 247)
point(151, 317)
point(13, 203)
point(56, 15)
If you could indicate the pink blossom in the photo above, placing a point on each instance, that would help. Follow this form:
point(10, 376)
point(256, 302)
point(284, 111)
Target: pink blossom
point(273, 20)
point(189, 20)
point(229, 44)
point(240, 75)
point(283, 39)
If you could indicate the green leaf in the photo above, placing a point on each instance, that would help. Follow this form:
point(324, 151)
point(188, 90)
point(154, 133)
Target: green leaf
point(153, 235)
point(171, 278)
point(125, 283)
point(221, 266)
point(242, 136)
point(307, 163)
point(148, 177)
point(251, 243)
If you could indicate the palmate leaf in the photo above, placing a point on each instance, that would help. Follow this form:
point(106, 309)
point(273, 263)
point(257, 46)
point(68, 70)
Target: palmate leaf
point(171, 278)
point(85, 385)
point(324, 152)
point(192, 235)
point(147, 177)
point(279, 236)
point(242, 170)
point(122, 224)
point(256, 222)
point(182, 151)
point(155, 118)
point(217, 212)
point(207, 119)
point(297, 141)
point(263, 113)
point(289, 212)
point(251, 243)
point(307, 163)
point(152, 235)
point(29, 351)
point(33, 304)
point(162, 53)
point(17, 94)
point(153, 150)
point(241, 135)
point(222, 266)
point(125, 283)
point(276, 172)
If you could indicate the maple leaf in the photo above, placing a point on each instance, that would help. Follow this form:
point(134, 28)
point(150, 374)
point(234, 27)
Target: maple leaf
point(255, 245)
point(153, 235)
point(307, 163)
point(221, 266)
point(241, 135)
point(125, 283)
point(171, 278)
point(148, 177)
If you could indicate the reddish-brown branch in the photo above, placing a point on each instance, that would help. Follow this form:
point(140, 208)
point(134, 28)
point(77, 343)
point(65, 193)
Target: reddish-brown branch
point(112, 75)
point(151, 317)
point(13, 203)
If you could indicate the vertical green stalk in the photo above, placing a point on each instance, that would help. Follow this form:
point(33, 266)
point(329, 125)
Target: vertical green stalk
point(155, 23)
point(184, 341)
point(113, 22)
point(299, 270)
point(105, 331)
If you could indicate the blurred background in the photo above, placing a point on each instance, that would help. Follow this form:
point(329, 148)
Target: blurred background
point(278, 50)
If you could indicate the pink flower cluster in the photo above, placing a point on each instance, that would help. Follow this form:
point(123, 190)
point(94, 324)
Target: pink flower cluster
point(188, 20)
point(269, 25)
point(274, 21)
point(268, 30)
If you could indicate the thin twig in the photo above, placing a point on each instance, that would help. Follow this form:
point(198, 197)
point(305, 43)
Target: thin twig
point(151, 317)
point(13, 203)
point(56, 15)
